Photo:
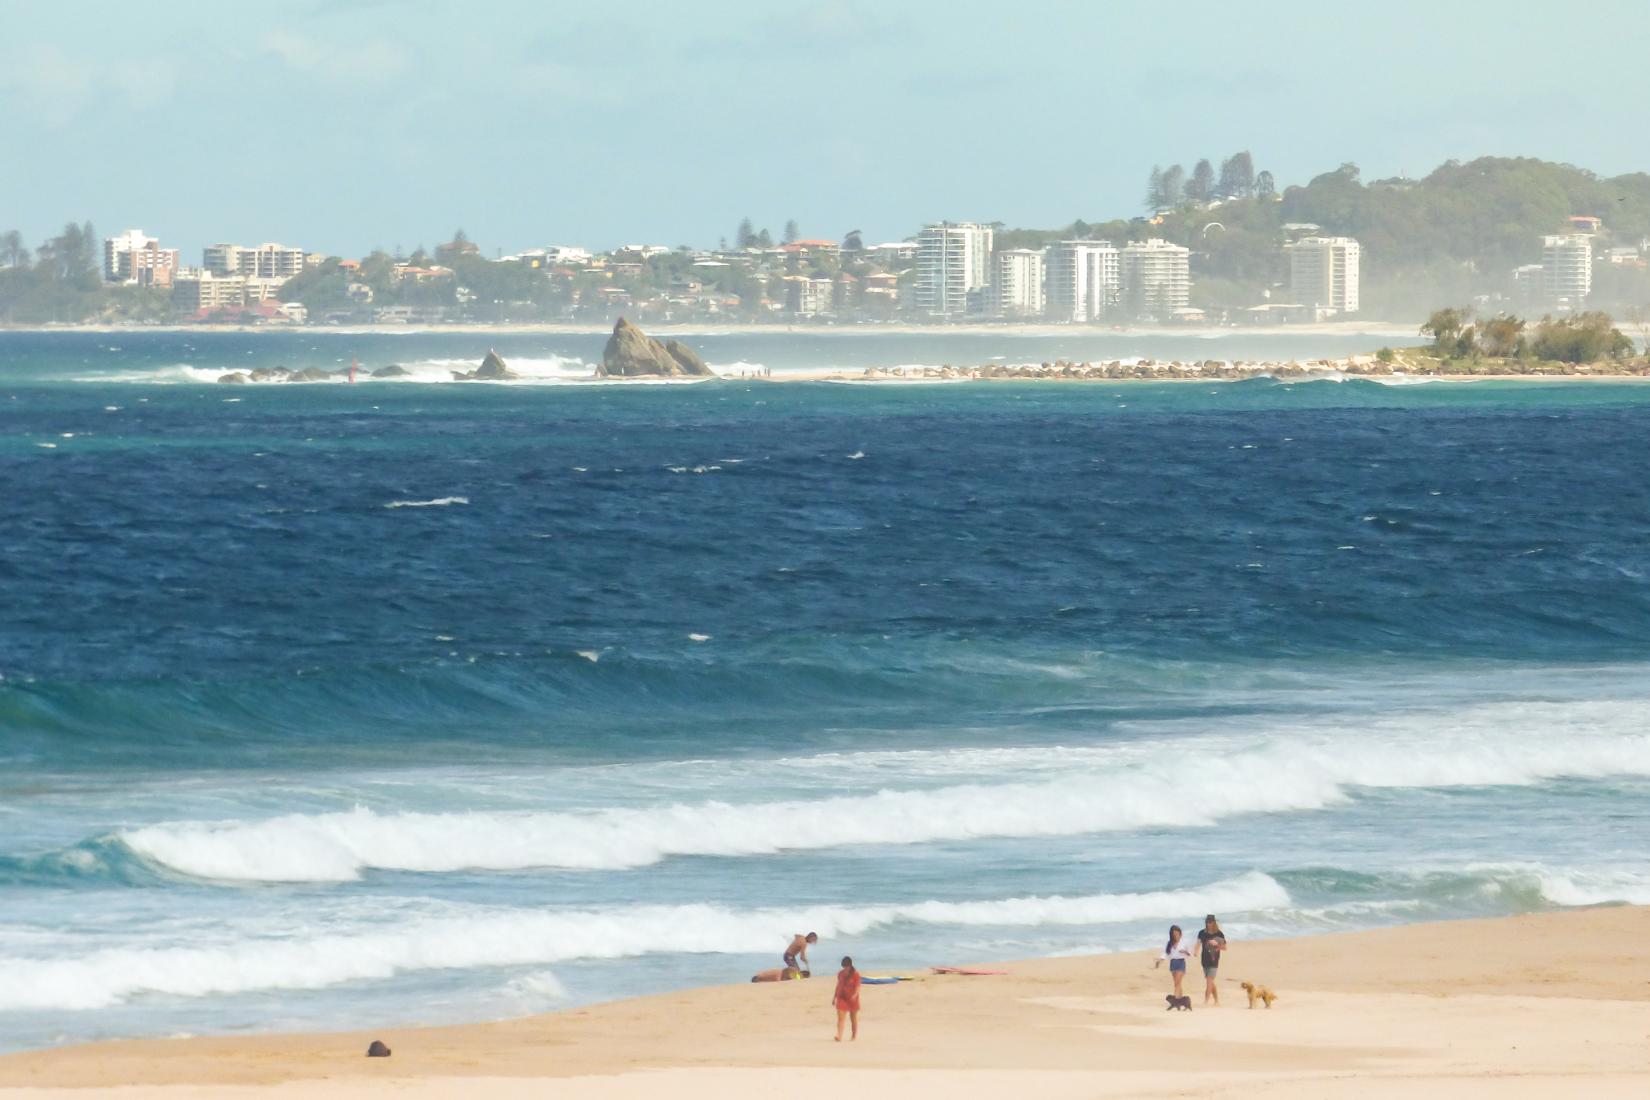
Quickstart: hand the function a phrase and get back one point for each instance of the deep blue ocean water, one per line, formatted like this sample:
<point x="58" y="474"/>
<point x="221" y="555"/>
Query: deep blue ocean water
<point x="338" y="705"/>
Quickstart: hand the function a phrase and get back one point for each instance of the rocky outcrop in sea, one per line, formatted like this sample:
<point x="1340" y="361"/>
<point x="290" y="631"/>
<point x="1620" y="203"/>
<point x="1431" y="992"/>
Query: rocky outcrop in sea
<point x="631" y="353"/>
<point x="492" y="369"/>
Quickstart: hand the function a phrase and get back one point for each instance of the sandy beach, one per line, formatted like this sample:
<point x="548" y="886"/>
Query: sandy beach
<point x="1541" y="1005"/>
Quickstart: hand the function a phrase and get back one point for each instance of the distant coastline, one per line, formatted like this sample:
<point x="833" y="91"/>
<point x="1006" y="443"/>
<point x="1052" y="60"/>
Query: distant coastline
<point x="1383" y="330"/>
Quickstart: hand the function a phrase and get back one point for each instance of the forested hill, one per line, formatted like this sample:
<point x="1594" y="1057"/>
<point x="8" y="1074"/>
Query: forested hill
<point x="1445" y="238"/>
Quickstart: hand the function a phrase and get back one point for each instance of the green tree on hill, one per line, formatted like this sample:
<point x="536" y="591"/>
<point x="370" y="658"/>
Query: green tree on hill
<point x="12" y="252"/>
<point x="322" y="288"/>
<point x="1174" y="186"/>
<point x="1166" y="188"/>
<point x="1503" y="337"/>
<point x="1585" y="338"/>
<point x="1445" y="326"/>
<point x="1201" y="187"/>
<point x="1237" y="176"/>
<point x="63" y="284"/>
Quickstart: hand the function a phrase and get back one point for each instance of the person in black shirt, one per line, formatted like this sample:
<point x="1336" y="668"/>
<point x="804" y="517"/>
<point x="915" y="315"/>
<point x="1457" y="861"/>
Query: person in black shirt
<point x="1213" y="941"/>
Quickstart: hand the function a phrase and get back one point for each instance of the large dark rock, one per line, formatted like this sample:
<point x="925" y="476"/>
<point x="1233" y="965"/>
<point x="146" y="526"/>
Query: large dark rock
<point x="236" y="379"/>
<point x="308" y="374"/>
<point x="492" y="369"/>
<point x="631" y="353"/>
<point x="689" y="360"/>
<point x="394" y="370"/>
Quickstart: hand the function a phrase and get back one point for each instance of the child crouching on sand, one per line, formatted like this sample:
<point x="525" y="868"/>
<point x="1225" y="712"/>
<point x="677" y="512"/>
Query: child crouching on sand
<point x="846" y="997"/>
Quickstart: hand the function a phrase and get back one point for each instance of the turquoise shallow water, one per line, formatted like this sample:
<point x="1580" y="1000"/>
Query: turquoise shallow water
<point x="418" y="702"/>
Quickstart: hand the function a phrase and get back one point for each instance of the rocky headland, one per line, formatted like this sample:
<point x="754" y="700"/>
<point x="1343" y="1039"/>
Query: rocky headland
<point x="631" y="353"/>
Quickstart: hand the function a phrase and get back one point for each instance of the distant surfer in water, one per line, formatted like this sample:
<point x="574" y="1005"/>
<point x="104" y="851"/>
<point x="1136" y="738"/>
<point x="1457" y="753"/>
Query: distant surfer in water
<point x="846" y="998"/>
<point x="796" y="955"/>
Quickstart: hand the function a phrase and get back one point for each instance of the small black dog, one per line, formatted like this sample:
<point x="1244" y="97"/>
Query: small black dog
<point x="1184" y="1004"/>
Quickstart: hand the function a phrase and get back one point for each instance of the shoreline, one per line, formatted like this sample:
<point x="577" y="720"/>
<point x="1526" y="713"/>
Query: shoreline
<point x="1278" y="372"/>
<point x="1373" y="329"/>
<point x="1532" y="1005"/>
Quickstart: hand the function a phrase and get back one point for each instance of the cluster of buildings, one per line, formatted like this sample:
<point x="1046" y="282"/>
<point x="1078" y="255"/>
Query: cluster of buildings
<point x="949" y="271"/>
<point x="1564" y="278"/>
<point x="960" y="275"/>
<point x="230" y="276"/>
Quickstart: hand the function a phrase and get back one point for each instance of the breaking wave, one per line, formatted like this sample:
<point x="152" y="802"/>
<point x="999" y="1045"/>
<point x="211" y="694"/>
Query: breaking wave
<point x="1136" y="786"/>
<point x="472" y="937"/>
<point x="438" y="502"/>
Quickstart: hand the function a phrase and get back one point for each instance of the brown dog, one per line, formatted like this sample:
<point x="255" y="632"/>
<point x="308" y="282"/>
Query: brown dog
<point x="1259" y="993"/>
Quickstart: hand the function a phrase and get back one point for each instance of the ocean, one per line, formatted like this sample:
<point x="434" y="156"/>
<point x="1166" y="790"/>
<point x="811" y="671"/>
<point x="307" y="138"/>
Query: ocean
<point x="330" y="706"/>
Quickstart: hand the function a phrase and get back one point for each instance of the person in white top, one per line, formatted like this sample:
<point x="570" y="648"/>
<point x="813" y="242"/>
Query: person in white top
<point x="1177" y="951"/>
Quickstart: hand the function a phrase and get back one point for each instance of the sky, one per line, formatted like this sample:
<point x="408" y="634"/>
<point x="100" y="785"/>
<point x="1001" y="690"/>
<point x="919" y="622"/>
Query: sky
<point x="349" y="125"/>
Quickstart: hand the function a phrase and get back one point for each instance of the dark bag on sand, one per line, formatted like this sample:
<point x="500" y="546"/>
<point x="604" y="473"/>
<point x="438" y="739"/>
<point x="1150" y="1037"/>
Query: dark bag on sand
<point x="378" y="1049"/>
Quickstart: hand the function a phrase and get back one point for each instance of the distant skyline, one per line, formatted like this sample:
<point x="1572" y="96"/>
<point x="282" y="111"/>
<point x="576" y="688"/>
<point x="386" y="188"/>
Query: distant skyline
<point x="347" y="125"/>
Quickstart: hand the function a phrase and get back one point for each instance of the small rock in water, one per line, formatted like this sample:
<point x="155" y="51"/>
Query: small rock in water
<point x="492" y="369"/>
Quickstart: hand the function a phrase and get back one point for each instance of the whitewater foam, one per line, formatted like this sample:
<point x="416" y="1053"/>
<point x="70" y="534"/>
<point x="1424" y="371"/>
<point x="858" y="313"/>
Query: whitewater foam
<point x="438" y="502"/>
<point x="472" y="937"/>
<point x="551" y="370"/>
<point x="1137" y="785"/>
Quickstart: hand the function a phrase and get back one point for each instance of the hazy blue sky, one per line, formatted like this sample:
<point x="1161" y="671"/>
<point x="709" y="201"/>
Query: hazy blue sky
<point x="350" y="124"/>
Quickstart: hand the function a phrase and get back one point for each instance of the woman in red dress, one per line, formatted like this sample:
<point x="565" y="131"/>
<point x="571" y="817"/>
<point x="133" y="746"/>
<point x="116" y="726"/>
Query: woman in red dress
<point x="846" y="997"/>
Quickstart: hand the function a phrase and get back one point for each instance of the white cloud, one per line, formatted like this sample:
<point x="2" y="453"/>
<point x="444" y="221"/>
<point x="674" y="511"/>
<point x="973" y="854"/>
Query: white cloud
<point x="55" y="88"/>
<point x="372" y="62"/>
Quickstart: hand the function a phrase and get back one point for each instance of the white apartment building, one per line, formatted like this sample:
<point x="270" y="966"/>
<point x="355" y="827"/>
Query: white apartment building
<point x="1567" y="267"/>
<point x="1323" y="273"/>
<point x="198" y="290"/>
<point x="566" y="254"/>
<point x="138" y="260"/>
<point x="262" y="289"/>
<point x="953" y="261"/>
<point x="1156" y="277"/>
<point x="264" y="261"/>
<point x="1527" y="283"/>
<point x="1017" y="283"/>
<point x="807" y="297"/>
<point x="894" y="254"/>
<point x="1085" y="280"/>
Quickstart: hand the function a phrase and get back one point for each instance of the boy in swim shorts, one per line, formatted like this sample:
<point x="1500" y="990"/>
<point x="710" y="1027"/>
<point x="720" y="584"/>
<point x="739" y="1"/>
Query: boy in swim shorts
<point x="796" y="955"/>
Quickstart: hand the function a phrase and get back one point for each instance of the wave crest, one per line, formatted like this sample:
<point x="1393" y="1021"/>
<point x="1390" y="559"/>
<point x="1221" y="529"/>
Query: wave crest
<point x="473" y="937"/>
<point x="1128" y="790"/>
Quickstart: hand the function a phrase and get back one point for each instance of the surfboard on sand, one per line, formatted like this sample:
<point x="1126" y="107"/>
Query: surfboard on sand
<point x="965" y="970"/>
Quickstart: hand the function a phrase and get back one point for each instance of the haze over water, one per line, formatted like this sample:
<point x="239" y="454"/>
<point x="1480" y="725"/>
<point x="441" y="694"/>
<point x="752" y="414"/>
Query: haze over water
<point x="325" y="705"/>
